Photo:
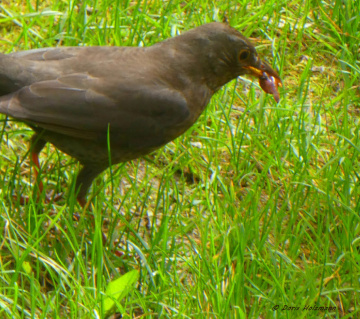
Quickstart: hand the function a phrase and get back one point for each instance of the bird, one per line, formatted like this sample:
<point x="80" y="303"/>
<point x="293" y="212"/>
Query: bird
<point x="105" y="105"/>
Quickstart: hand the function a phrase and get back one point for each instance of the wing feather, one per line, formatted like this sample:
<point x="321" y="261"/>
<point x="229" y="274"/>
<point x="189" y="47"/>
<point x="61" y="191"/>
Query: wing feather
<point x="79" y="105"/>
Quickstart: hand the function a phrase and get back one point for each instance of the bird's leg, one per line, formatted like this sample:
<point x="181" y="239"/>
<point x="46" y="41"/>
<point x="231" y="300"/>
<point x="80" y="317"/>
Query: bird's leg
<point x="36" y="145"/>
<point x="82" y="201"/>
<point x="83" y="182"/>
<point x="35" y="161"/>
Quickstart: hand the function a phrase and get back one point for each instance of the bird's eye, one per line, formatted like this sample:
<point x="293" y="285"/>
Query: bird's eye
<point x="244" y="54"/>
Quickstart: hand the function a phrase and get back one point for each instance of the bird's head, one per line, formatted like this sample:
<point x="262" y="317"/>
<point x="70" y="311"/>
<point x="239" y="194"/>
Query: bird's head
<point x="224" y="53"/>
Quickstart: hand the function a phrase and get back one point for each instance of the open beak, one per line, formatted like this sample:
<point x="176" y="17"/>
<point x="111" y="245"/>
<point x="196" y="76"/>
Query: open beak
<point x="269" y="80"/>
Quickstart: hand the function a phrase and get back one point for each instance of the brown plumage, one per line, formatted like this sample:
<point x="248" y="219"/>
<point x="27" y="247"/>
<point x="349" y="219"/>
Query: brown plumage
<point x="141" y="97"/>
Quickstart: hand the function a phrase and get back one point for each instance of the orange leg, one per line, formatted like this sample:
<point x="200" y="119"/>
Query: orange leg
<point x="38" y="182"/>
<point x="35" y="161"/>
<point x="36" y="145"/>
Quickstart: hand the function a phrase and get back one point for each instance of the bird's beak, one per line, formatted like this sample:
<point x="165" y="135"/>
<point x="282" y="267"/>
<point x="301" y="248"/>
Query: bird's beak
<point x="269" y="80"/>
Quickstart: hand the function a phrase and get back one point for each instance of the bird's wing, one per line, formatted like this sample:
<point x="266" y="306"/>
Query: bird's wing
<point x="82" y="106"/>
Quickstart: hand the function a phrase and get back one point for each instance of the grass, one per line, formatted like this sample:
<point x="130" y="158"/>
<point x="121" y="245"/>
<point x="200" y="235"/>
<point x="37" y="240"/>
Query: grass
<point x="254" y="209"/>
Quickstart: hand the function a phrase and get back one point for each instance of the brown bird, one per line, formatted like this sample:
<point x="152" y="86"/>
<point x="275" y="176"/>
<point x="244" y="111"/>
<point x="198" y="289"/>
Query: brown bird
<point x="125" y="101"/>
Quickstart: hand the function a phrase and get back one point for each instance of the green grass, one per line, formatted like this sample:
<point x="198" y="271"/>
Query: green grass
<point x="257" y="205"/>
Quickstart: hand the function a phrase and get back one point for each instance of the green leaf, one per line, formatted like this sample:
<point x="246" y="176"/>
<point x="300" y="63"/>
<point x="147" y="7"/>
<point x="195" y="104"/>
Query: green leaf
<point x="118" y="289"/>
<point x="27" y="267"/>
